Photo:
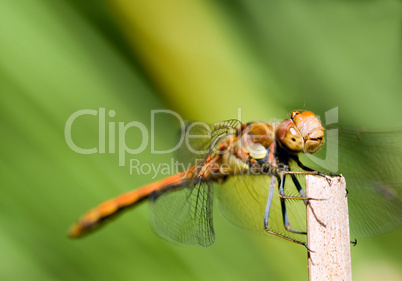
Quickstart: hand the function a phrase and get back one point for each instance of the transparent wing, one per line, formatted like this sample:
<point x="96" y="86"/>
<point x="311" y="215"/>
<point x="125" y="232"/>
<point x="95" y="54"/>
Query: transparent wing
<point x="184" y="215"/>
<point x="199" y="140"/>
<point x="371" y="163"/>
<point x="243" y="199"/>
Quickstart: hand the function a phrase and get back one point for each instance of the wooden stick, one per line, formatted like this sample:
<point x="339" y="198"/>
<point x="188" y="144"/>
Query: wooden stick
<point x="328" y="229"/>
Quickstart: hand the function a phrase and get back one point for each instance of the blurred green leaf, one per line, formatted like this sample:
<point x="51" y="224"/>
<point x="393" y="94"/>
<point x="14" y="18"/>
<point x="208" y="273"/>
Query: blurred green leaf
<point x="203" y="59"/>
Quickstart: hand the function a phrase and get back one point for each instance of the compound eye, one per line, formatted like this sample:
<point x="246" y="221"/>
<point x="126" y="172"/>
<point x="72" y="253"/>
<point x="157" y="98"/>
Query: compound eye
<point x="313" y="145"/>
<point x="289" y="136"/>
<point x="314" y="141"/>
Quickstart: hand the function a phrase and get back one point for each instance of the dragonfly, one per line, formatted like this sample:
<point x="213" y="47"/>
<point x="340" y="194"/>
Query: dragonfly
<point x="247" y="165"/>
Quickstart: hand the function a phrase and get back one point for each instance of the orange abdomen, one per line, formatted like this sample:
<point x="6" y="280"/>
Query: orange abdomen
<point x="108" y="209"/>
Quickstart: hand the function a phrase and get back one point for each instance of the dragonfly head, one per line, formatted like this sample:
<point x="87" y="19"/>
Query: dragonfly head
<point x="303" y="132"/>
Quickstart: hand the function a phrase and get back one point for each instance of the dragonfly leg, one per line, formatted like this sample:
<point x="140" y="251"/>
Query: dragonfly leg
<point x="285" y="217"/>
<point x="266" y="217"/>
<point x="286" y="222"/>
<point x="302" y="194"/>
<point x="268" y="208"/>
<point x="315" y="173"/>
<point x="309" y="171"/>
<point x="298" y="186"/>
<point x="301" y="165"/>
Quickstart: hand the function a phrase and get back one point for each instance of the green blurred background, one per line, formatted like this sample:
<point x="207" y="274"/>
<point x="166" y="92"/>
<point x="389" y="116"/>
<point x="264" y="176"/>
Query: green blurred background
<point x="203" y="59"/>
